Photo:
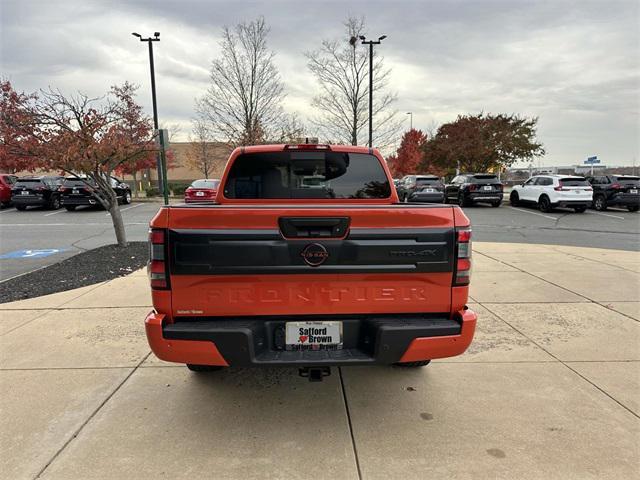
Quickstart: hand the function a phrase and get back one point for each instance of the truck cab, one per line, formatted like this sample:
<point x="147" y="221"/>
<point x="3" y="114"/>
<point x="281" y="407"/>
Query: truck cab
<point x="308" y="259"/>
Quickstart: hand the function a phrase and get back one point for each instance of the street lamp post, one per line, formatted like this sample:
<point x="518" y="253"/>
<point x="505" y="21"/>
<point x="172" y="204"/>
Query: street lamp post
<point x="371" y="43"/>
<point x="160" y="158"/>
<point x="410" y="120"/>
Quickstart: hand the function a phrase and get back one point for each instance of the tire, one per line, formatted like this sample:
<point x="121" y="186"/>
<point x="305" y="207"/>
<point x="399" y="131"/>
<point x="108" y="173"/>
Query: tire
<point x="579" y="209"/>
<point x="70" y="208"/>
<point x="5" y="205"/>
<point x="496" y="204"/>
<point x="54" y="204"/>
<point x="633" y="208"/>
<point x="600" y="203"/>
<point x="544" y="204"/>
<point x="514" y="199"/>
<point x="203" y="368"/>
<point x="22" y="208"/>
<point x="421" y="363"/>
<point x="462" y="201"/>
<point x="126" y="199"/>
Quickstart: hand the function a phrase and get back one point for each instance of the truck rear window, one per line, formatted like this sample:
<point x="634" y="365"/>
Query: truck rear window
<point x="307" y="175"/>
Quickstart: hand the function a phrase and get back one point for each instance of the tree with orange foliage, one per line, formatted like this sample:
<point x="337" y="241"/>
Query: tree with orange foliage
<point x="409" y="155"/>
<point x="80" y="135"/>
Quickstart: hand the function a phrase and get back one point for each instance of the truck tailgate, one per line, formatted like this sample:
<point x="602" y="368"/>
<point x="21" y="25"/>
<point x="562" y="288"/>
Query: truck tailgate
<point x="283" y="260"/>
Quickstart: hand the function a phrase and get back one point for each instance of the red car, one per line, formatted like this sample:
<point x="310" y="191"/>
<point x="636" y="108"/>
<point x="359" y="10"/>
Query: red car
<point x="6" y="183"/>
<point x="202" y="191"/>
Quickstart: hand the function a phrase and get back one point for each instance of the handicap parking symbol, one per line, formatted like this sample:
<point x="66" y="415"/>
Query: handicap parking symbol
<point x="34" y="253"/>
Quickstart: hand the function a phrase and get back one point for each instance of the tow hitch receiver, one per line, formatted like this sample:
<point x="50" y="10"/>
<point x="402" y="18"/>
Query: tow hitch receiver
<point x="314" y="374"/>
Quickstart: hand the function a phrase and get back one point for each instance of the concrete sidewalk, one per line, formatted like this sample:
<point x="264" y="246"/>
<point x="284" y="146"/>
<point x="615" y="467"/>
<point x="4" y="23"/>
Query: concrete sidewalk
<point x="549" y="389"/>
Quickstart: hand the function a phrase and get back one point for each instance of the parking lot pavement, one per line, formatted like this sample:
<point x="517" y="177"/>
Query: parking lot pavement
<point x="613" y="229"/>
<point x="549" y="389"/>
<point x="36" y="237"/>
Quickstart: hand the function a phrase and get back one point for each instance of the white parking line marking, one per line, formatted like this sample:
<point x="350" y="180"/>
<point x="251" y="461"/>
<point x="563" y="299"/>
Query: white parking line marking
<point x="53" y="213"/>
<point x="533" y="213"/>
<point x="129" y="208"/>
<point x="606" y="215"/>
<point x="9" y="210"/>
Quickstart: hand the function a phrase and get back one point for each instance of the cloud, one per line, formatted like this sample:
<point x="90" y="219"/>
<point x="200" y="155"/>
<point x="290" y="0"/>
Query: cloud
<point x="575" y="65"/>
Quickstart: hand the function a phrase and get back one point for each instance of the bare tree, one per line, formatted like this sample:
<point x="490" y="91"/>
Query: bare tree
<point x="243" y="102"/>
<point x="341" y="68"/>
<point x="200" y="154"/>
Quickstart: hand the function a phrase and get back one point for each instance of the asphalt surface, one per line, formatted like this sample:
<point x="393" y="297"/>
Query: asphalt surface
<point x="36" y="238"/>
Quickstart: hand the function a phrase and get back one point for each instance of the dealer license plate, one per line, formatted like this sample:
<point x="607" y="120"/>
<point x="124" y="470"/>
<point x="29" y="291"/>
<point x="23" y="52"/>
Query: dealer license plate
<point x="313" y="335"/>
<point x="488" y="187"/>
<point x="199" y="194"/>
<point x="634" y="191"/>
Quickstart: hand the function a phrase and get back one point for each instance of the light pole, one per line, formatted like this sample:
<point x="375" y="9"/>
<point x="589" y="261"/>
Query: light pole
<point x="410" y="120"/>
<point x="371" y="43"/>
<point x="160" y="158"/>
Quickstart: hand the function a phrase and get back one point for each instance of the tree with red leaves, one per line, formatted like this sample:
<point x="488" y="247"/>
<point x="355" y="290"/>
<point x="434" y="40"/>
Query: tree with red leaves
<point x="482" y="143"/>
<point x="16" y="126"/>
<point x="410" y="155"/>
<point x="80" y="135"/>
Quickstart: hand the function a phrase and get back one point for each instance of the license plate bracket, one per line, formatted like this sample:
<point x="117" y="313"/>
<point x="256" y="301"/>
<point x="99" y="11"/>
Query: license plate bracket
<point x="313" y="335"/>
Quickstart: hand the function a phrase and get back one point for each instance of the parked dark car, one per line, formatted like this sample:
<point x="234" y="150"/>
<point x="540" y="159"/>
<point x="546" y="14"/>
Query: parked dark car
<point x="77" y="192"/>
<point x="427" y="188"/>
<point x="202" y="191"/>
<point x="469" y="188"/>
<point x="616" y="190"/>
<point x="410" y="185"/>
<point x="6" y="184"/>
<point x="37" y="191"/>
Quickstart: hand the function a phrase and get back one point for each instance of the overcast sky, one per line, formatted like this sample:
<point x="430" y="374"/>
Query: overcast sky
<point x="575" y="65"/>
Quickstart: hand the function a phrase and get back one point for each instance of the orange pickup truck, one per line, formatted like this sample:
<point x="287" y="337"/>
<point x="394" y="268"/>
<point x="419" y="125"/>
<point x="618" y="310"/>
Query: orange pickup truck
<point x="308" y="259"/>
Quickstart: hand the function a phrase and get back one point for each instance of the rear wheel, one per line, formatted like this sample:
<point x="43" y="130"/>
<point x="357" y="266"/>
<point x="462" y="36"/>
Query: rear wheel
<point x="600" y="203"/>
<point x="633" y="208"/>
<point x="544" y="204"/>
<point x="580" y="209"/>
<point x="126" y="199"/>
<point x="55" y="203"/>
<point x="462" y="200"/>
<point x="21" y="207"/>
<point x="496" y="204"/>
<point x="5" y="204"/>
<point x="421" y="363"/>
<point x="71" y="208"/>
<point x="203" y="368"/>
<point x="514" y="199"/>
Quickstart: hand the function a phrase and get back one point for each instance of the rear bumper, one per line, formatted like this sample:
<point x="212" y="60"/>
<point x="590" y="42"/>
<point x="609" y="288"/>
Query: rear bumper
<point x="626" y="200"/>
<point x="79" y="201"/>
<point x="486" y="197"/>
<point x="436" y="197"/>
<point x="367" y="340"/>
<point x="18" y="200"/>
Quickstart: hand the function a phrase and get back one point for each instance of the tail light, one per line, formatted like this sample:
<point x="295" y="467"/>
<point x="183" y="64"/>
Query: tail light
<point x="560" y="187"/>
<point x="462" y="274"/>
<point x="473" y="187"/>
<point x="157" y="266"/>
<point x="62" y="189"/>
<point x="616" y="186"/>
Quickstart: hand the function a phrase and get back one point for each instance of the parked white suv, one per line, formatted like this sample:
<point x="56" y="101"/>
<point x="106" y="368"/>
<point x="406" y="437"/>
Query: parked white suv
<point x="551" y="191"/>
